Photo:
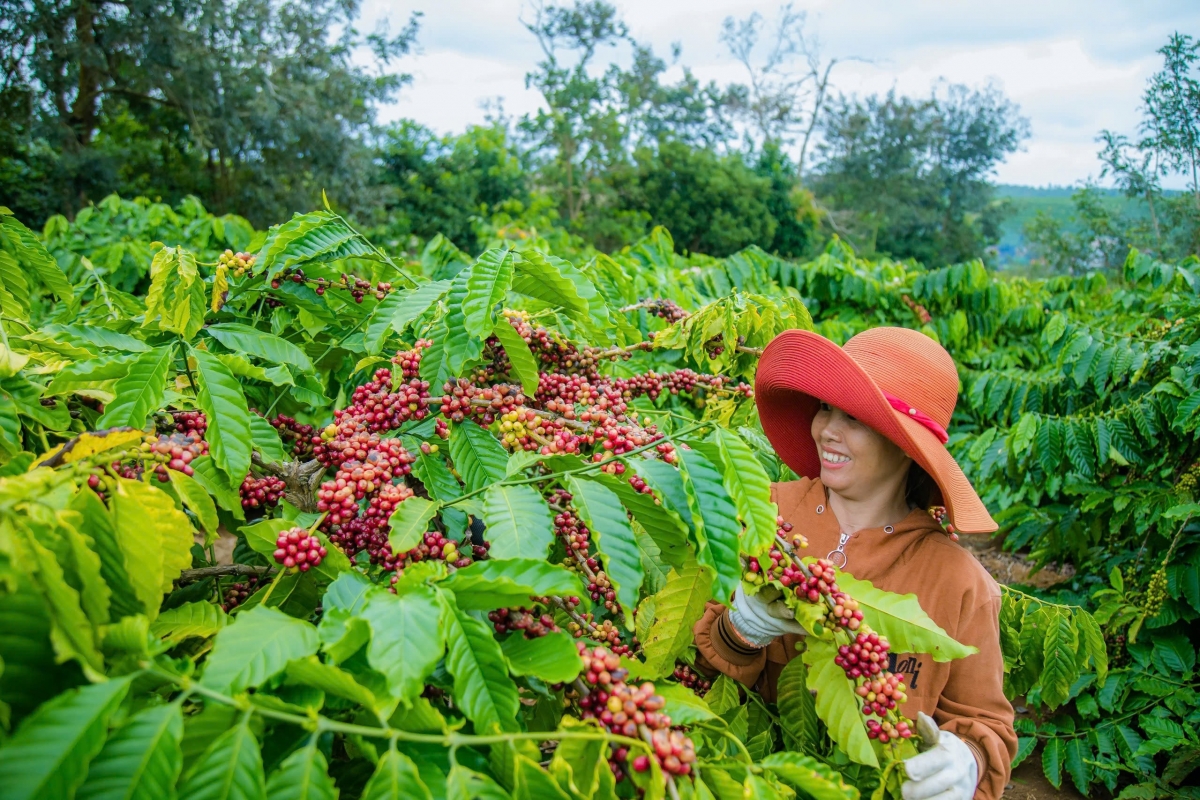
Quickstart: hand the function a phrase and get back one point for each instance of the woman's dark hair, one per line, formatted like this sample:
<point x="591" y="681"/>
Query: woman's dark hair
<point x="920" y="491"/>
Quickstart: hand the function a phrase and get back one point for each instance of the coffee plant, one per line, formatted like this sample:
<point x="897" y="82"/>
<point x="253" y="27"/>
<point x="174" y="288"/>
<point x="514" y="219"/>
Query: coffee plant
<point x="286" y="515"/>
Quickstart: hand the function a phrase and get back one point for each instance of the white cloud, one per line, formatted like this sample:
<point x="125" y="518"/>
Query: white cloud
<point x="1073" y="66"/>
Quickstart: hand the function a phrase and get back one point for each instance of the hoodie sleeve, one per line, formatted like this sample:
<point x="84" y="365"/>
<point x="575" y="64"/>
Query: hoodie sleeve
<point x="719" y="649"/>
<point x="972" y="705"/>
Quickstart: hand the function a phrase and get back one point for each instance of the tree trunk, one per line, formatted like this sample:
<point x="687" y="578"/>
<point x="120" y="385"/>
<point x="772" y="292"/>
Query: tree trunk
<point x="82" y="119"/>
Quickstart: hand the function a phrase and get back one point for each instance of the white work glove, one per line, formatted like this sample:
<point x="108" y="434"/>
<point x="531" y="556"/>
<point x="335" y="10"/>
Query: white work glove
<point x="946" y="771"/>
<point x="760" y="621"/>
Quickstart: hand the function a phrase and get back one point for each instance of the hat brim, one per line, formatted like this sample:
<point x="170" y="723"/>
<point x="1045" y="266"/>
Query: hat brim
<point x="799" y="370"/>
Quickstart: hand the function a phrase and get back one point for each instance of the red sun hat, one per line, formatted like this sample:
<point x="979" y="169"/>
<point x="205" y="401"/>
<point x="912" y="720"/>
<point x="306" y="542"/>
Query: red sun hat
<point x="897" y="381"/>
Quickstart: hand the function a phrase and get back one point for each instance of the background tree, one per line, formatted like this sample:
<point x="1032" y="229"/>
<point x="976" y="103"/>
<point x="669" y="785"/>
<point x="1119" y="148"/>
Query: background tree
<point x="252" y="105"/>
<point x="911" y="178"/>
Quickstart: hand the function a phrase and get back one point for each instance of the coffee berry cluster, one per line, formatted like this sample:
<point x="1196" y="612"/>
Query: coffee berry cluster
<point x="635" y="712"/>
<point x="296" y="550"/>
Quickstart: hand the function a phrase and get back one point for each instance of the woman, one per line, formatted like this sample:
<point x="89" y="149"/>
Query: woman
<point x="866" y="427"/>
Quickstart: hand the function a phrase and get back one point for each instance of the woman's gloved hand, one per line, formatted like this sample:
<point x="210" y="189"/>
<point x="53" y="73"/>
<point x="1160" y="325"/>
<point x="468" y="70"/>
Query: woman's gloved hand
<point x="760" y="618"/>
<point x="946" y="771"/>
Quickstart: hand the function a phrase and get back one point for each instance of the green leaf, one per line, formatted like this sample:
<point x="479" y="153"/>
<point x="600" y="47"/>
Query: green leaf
<point x="652" y="511"/>
<point x="257" y="646"/>
<point x="201" y="619"/>
<point x="677" y="608"/>
<point x="478" y="457"/>
<point x="407" y="638"/>
<point x="329" y="679"/>
<point x="32" y="254"/>
<point x="465" y="784"/>
<point x="251" y="341"/>
<point x="716" y="526"/>
<point x="99" y="524"/>
<point x="724" y="696"/>
<point x="141" y="761"/>
<point x="396" y="778"/>
<point x="217" y="484"/>
<point x="229" y="436"/>
<point x="612" y="536"/>
<point x="194" y="497"/>
<point x="813" y="777"/>
<point x="541" y="277"/>
<point x="175" y="299"/>
<point x="797" y="708"/>
<point x="551" y="658"/>
<point x="901" y="619"/>
<point x="837" y="704"/>
<point x="48" y="757"/>
<point x="266" y="441"/>
<point x="519" y="523"/>
<point x="489" y="584"/>
<point x="1077" y="754"/>
<point x="453" y="347"/>
<point x="231" y="768"/>
<point x="140" y="391"/>
<point x="415" y="303"/>
<point x="524" y="365"/>
<point x="1059" y="668"/>
<point x="302" y="776"/>
<point x="409" y="523"/>
<point x="531" y="782"/>
<point x="482" y="688"/>
<point x="1052" y="761"/>
<point x="683" y="706"/>
<point x="155" y="538"/>
<point x="1093" y="641"/>
<point x="487" y="283"/>
<point x="318" y="236"/>
<point x="750" y="487"/>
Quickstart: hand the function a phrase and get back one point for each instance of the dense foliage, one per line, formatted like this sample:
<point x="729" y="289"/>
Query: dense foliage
<point x="440" y="473"/>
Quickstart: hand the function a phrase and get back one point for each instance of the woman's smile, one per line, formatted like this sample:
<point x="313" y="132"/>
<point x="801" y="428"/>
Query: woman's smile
<point x="833" y="460"/>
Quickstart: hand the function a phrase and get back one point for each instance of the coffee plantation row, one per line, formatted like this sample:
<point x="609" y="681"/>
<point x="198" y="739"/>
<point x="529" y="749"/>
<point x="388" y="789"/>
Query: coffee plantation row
<point x="477" y="505"/>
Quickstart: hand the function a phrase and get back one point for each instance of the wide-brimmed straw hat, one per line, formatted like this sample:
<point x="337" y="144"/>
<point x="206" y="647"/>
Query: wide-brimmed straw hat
<point x="898" y="382"/>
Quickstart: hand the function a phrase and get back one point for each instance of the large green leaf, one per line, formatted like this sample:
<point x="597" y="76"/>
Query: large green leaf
<point x="465" y="784"/>
<point x="478" y="457"/>
<point x="407" y="639"/>
<point x="524" y="365"/>
<point x="217" y="484"/>
<point x="493" y="583"/>
<point x="48" y="757"/>
<point x="401" y="309"/>
<point x="141" y="390"/>
<point x="552" y="658"/>
<point x="677" y="608"/>
<point x="247" y="340"/>
<point x="201" y="619"/>
<point x="229" y="437"/>
<point x="487" y="283"/>
<point x="195" y="498"/>
<point x="1059" y="659"/>
<point x="100" y="525"/>
<point x="257" y="646"/>
<point x="318" y="236"/>
<point x="329" y="679"/>
<point x="715" y="517"/>
<point x="797" y="709"/>
<point x="303" y="775"/>
<point x="519" y="522"/>
<point x="1052" y="761"/>
<point x="32" y="254"/>
<point x="813" y="777"/>
<point x="453" y="347"/>
<point x="231" y="768"/>
<point x="662" y="523"/>
<point x="837" y="704"/>
<point x="155" y="538"/>
<point x="613" y="538"/>
<point x="482" y="688"/>
<point x="900" y="618"/>
<point x="409" y="522"/>
<point x="265" y="439"/>
<point x="396" y="778"/>
<point x="750" y="488"/>
<point x="141" y="761"/>
<point x="175" y="299"/>
<point x="539" y="276"/>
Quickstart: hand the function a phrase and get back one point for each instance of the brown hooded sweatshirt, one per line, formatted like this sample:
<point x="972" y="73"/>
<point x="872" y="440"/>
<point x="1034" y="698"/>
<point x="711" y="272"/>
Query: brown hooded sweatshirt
<point x="965" y="697"/>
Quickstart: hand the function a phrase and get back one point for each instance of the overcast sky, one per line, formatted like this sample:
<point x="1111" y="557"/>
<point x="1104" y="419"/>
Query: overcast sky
<point x="1073" y="66"/>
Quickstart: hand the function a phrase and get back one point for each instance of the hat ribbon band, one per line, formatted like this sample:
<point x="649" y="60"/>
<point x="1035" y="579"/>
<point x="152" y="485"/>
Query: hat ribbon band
<point x="918" y="416"/>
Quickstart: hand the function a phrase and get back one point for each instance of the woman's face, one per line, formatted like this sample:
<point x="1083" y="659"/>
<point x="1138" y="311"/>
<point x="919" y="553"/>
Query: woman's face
<point x="856" y="462"/>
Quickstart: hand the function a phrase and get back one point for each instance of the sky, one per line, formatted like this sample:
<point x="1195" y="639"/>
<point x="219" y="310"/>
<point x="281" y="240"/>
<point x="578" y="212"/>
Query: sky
<point x="1073" y="67"/>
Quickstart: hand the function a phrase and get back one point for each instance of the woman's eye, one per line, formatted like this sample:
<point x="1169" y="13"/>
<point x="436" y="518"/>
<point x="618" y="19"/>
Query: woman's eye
<point x="826" y="407"/>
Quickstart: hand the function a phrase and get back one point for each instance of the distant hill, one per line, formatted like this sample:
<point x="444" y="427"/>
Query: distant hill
<point x="1027" y="201"/>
